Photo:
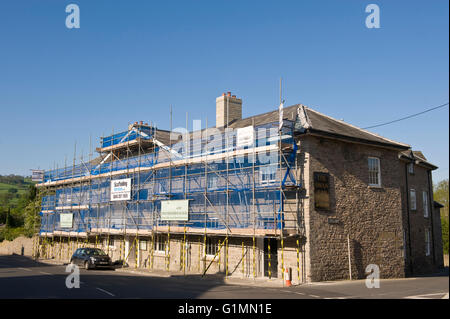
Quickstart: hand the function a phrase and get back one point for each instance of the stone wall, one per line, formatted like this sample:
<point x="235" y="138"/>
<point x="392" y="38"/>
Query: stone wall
<point x="420" y="263"/>
<point x="369" y="217"/>
<point x="19" y="246"/>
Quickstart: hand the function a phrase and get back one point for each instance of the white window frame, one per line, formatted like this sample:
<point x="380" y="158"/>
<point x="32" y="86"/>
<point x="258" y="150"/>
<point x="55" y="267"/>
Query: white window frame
<point x="427" y="242"/>
<point x="426" y="210"/>
<point x="378" y="171"/>
<point x="269" y="171"/>
<point x="143" y="245"/>
<point x="412" y="203"/>
<point x="209" y="249"/>
<point x="160" y="239"/>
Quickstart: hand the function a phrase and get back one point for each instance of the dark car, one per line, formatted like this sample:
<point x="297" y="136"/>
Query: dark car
<point x="91" y="258"/>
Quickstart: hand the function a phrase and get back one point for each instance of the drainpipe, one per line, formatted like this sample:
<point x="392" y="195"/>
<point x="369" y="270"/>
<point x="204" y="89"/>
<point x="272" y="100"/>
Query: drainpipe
<point x="409" y="223"/>
<point x="430" y="207"/>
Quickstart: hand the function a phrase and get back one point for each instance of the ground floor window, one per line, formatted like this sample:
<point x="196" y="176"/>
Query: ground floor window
<point x="143" y="245"/>
<point x="160" y="243"/>
<point x="212" y="246"/>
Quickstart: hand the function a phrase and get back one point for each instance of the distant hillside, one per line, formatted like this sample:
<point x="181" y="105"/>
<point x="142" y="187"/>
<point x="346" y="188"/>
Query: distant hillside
<point x="15" y="180"/>
<point x="12" y="187"/>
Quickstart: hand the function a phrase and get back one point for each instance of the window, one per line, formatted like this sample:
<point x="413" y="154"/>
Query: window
<point x="427" y="242"/>
<point x="425" y="203"/>
<point x="412" y="196"/>
<point x="212" y="181"/>
<point x="160" y="243"/>
<point x="212" y="246"/>
<point x="374" y="172"/>
<point x="143" y="245"/>
<point x="411" y="168"/>
<point x="268" y="174"/>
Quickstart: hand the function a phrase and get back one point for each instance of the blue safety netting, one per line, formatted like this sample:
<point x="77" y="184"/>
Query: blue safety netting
<point x="253" y="186"/>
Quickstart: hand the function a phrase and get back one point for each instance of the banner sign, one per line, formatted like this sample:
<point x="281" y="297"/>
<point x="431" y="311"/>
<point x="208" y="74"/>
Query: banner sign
<point x="175" y="210"/>
<point x="66" y="220"/>
<point x="121" y="189"/>
<point x="37" y="175"/>
<point x="321" y="191"/>
<point x="245" y="136"/>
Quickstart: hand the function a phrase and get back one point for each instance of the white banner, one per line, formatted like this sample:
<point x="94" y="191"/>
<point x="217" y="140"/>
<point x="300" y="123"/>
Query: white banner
<point x="121" y="189"/>
<point x="66" y="220"/>
<point x="37" y="175"/>
<point x="177" y="210"/>
<point x="280" y="112"/>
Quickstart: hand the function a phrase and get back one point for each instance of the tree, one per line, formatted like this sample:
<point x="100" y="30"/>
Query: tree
<point x="441" y="194"/>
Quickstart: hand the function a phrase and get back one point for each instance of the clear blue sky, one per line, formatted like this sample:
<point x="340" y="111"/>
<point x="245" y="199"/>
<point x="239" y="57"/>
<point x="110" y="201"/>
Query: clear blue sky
<point x="131" y="59"/>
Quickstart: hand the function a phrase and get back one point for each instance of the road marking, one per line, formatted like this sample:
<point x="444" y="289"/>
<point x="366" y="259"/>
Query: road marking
<point x="24" y="269"/>
<point x="428" y="295"/>
<point x="106" y="292"/>
<point x="299" y="293"/>
<point x="45" y="273"/>
<point x="314" y="296"/>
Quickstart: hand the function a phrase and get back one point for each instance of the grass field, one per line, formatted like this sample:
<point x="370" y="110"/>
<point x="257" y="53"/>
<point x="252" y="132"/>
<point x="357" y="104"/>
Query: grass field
<point x="20" y="189"/>
<point x="4" y="189"/>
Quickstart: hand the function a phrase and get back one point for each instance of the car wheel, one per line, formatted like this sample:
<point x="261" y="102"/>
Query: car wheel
<point x="86" y="265"/>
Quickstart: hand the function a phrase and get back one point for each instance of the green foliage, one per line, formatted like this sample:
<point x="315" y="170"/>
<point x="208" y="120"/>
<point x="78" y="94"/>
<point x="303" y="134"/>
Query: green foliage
<point x="441" y="195"/>
<point x="11" y="233"/>
<point x="444" y="222"/>
<point x="19" y="207"/>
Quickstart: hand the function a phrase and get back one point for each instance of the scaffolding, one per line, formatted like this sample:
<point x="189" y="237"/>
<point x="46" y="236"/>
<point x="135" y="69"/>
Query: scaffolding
<point x="233" y="190"/>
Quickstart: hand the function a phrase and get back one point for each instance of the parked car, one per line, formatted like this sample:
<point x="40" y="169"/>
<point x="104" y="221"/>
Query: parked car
<point x="91" y="258"/>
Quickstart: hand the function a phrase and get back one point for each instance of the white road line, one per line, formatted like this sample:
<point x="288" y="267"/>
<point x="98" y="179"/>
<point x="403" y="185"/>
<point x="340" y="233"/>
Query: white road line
<point x="427" y="295"/>
<point x="314" y="296"/>
<point x="106" y="292"/>
<point x="299" y="293"/>
<point x="45" y="273"/>
<point x="24" y="269"/>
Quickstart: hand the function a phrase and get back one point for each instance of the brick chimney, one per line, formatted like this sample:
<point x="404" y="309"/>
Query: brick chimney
<point x="234" y="109"/>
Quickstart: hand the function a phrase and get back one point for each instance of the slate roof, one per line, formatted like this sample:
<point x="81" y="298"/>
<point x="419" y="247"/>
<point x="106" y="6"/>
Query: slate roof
<point x="321" y="124"/>
<point x="417" y="157"/>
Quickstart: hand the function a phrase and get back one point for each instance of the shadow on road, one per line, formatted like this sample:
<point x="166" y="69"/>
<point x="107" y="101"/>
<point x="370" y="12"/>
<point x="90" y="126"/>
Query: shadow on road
<point x="22" y="277"/>
<point x="443" y="273"/>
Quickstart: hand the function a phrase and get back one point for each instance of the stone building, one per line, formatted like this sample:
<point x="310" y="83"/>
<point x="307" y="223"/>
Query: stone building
<point x="250" y="197"/>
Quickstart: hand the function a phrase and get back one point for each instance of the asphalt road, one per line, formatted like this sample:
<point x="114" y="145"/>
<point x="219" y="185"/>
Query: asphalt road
<point x="23" y="278"/>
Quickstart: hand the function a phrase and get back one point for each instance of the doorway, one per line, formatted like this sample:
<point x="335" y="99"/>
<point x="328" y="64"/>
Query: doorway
<point x="270" y="257"/>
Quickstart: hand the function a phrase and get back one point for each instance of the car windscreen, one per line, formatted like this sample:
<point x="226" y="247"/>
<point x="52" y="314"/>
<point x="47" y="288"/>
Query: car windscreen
<point x="95" y="252"/>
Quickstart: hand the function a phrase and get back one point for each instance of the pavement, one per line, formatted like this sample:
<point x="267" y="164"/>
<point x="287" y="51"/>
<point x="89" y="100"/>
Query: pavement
<point x="22" y="277"/>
